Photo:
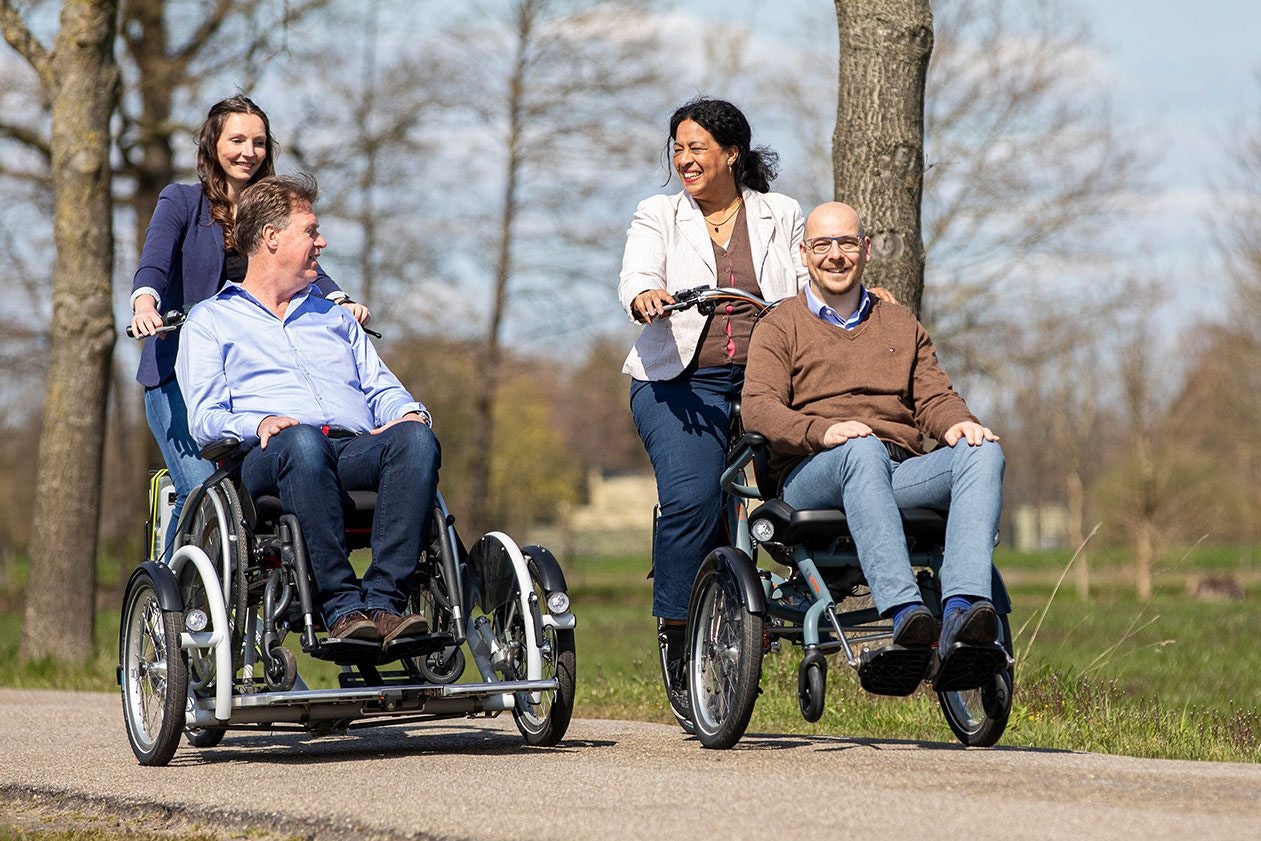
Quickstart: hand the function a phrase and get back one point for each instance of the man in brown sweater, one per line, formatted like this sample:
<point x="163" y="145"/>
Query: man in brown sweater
<point x="845" y="386"/>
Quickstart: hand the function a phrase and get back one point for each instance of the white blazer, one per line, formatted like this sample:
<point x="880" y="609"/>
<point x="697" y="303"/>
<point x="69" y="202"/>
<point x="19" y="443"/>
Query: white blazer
<point x="668" y="247"/>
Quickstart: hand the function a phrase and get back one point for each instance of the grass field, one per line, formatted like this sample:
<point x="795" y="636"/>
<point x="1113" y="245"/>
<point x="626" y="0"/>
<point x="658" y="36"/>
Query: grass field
<point x="1170" y="677"/>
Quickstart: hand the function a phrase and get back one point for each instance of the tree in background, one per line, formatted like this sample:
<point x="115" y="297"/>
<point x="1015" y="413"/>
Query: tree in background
<point x="80" y="79"/>
<point x="554" y="97"/>
<point x="878" y="146"/>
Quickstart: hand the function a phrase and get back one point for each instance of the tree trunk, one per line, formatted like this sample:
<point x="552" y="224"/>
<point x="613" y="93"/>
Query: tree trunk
<point x="878" y="145"/>
<point x="487" y="389"/>
<point x="61" y="588"/>
<point x="154" y="165"/>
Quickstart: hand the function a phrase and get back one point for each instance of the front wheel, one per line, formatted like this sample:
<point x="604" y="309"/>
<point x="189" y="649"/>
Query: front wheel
<point x="979" y="716"/>
<point x="543" y="723"/>
<point x="724" y="656"/>
<point x="154" y="677"/>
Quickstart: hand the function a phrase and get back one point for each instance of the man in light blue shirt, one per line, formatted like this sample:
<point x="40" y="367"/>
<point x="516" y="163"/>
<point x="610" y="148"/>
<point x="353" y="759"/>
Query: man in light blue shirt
<point x="270" y="362"/>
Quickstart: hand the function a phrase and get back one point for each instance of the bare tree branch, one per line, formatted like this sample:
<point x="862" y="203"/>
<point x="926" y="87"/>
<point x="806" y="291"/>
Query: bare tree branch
<point x="20" y="37"/>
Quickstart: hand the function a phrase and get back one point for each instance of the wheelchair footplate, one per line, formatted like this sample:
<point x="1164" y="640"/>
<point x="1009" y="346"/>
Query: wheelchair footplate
<point x="968" y="666"/>
<point x="352" y="652"/>
<point x="893" y="669"/>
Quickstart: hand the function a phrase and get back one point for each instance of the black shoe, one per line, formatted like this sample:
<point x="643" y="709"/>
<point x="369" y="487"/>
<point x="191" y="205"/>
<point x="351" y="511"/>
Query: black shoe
<point x="977" y="624"/>
<point x="969" y="652"/>
<point x="672" y="641"/>
<point x="915" y="628"/>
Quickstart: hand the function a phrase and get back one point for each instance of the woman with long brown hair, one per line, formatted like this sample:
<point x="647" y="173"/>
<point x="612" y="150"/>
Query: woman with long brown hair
<point x="189" y="253"/>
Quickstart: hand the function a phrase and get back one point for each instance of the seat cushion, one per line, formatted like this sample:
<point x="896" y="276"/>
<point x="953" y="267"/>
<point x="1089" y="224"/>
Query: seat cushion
<point x="824" y="525"/>
<point x="357" y="508"/>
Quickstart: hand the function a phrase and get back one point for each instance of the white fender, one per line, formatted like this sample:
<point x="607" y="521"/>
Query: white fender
<point x="218" y="638"/>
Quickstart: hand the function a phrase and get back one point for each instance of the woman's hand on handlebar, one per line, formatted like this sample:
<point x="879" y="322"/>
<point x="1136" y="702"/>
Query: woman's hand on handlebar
<point x="357" y="310"/>
<point x="145" y="319"/>
<point x="651" y="304"/>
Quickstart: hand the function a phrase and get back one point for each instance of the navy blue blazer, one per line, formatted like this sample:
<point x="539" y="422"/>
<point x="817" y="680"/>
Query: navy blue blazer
<point x="182" y="261"/>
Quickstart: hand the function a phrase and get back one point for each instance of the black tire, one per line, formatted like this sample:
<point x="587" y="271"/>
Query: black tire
<point x="446" y="665"/>
<point x="154" y="677"/>
<point x="724" y="655"/>
<point x="284" y="674"/>
<point x="978" y="717"/>
<point x="205" y="737"/>
<point x="544" y="723"/>
<point x="812" y="686"/>
<point x="205" y="531"/>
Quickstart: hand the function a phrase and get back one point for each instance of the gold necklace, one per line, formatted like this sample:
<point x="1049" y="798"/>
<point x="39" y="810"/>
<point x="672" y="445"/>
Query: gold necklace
<point x="739" y="203"/>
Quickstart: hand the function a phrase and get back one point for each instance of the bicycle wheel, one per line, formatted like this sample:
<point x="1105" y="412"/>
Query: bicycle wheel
<point x="724" y="656"/>
<point x="543" y="723"/>
<point x="154" y="678"/>
<point x="979" y="716"/>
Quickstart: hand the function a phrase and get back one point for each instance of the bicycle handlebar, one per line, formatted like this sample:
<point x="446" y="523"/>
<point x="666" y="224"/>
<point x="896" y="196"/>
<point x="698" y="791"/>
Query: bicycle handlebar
<point x="706" y="298"/>
<point x="174" y="319"/>
<point x="171" y="320"/>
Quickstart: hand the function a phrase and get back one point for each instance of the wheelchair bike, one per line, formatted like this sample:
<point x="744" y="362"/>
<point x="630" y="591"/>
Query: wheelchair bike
<point x="794" y="575"/>
<point x="205" y="622"/>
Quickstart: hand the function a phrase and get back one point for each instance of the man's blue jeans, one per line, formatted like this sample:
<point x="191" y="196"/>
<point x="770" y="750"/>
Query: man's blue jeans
<point x="308" y="471"/>
<point x="684" y="423"/>
<point x="859" y="477"/>
<point x="167" y="415"/>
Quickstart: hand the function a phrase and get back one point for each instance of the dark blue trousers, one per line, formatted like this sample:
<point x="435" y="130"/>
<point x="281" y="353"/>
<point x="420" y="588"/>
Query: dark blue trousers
<point x="684" y="425"/>
<point x="308" y="471"/>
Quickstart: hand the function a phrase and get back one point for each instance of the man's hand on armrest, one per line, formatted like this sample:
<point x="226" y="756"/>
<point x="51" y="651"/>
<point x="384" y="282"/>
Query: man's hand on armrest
<point x="839" y="433"/>
<point x="973" y="432"/>
<point x="419" y="417"/>
<point x="272" y="424"/>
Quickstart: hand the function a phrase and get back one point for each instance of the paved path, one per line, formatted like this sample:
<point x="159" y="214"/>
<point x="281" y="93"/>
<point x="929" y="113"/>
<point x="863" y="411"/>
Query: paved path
<point x="473" y="779"/>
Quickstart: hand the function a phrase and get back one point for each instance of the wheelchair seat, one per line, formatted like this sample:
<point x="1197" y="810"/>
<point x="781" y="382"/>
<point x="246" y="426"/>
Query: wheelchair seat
<point x="777" y="521"/>
<point x="357" y="508"/>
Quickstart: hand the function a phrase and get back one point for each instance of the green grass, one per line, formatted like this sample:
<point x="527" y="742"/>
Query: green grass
<point x="1171" y="677"/>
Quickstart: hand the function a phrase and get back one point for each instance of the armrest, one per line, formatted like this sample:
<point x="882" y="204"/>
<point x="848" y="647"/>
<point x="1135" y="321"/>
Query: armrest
<point x="217" y="451"/>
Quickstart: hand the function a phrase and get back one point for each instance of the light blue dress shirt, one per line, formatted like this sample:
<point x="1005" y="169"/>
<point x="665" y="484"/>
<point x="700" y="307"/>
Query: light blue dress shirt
<point x="831" y="316"/>
<point x="239" y="363"/>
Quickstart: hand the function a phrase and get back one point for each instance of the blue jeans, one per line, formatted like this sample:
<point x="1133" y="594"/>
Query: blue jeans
<point x="168" y="421"/>
<point x="308" y="471"/>
<point x="859" y="477"/>
<point x="684" y="423"/>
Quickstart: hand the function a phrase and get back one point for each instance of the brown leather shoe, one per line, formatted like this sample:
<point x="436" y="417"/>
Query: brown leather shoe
<point x="391" y="626"/>
<point x="354" y="626"/>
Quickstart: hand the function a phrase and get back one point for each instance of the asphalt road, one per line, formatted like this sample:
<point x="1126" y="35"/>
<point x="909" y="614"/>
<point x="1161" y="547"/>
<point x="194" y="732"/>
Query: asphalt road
<point x="473" y="779"/>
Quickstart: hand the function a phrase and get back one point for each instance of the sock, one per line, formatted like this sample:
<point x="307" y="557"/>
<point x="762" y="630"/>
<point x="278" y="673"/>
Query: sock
<point x="957" y="603"/>
<point x="901" y="611"/>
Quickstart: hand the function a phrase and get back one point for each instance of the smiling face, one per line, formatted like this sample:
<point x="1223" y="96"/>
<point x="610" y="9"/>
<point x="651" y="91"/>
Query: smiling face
<point x="241" y="147"/>
<point x="837" y="269"/>
<point x="703" y="165"/>
<point x="298" y="245"/>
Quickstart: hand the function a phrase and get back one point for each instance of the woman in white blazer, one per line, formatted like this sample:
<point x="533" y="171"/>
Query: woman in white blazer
<point x="725" y="228"/>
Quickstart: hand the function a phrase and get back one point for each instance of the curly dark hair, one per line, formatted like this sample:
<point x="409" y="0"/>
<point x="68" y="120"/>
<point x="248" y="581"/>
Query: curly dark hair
<point x="213" y="181"/>
<point x="754" y="168"/>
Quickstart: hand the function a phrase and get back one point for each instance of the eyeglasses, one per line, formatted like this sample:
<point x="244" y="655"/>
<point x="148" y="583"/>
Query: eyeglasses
<point x="823" y="245"/>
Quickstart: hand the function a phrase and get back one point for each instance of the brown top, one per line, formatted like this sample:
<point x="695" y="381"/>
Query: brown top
<point x="725" y="340"/>
<point x="805" y="374"/>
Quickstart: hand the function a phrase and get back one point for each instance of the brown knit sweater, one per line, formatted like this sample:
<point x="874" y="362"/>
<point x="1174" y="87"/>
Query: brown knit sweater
<point x="805" y="374"/>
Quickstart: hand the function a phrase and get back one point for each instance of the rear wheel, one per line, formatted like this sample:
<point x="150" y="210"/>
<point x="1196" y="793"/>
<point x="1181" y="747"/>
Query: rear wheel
<point x="154" y="678"/>
<point x="978" y="717"/>
<point x="724" y="656"/>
